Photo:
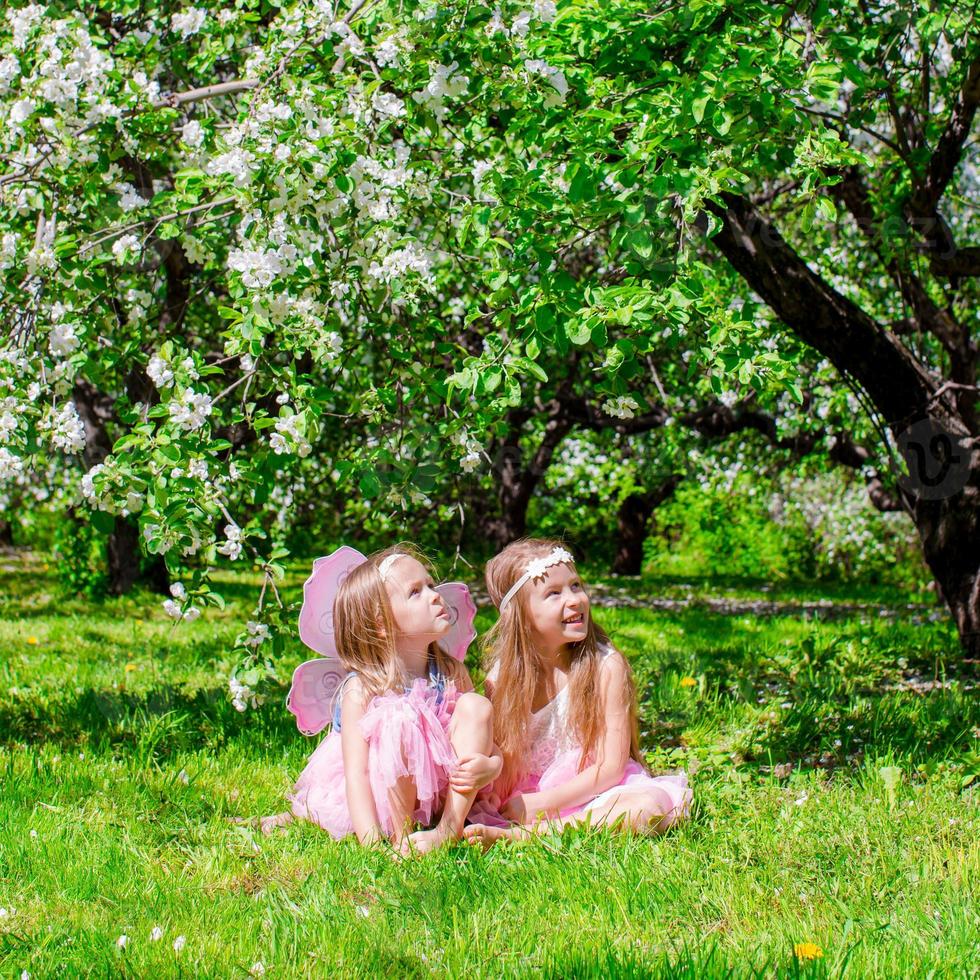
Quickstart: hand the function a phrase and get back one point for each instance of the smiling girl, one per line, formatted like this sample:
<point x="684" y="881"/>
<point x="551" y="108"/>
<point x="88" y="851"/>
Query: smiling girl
<point x="564" y="707"/>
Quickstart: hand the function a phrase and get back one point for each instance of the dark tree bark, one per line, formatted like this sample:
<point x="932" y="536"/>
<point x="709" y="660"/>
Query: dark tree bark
<point x="6" y="534"/>
<point x="922" y="413"/>
<point x="518" y="474"/>
<point x="125" y="566"/>
<point x="633" y="525"/>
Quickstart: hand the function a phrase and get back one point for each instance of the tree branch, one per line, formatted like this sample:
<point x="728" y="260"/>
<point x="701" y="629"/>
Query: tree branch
<point x="823" y="318"/>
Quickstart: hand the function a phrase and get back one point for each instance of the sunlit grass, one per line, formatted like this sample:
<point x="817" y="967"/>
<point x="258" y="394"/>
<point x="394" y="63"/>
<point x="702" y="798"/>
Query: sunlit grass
<point x="831" y="818"/>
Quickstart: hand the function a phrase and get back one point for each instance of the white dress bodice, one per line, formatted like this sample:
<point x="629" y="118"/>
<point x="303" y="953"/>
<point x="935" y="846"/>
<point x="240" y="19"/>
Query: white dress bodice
<point x="549" y="730"/>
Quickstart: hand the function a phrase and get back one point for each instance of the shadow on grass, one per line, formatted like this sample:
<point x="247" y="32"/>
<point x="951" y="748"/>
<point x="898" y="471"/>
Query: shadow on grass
<point x="154" y="723"/>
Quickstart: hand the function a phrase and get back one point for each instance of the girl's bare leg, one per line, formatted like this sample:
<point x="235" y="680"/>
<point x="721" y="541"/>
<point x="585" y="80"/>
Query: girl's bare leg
<point x="470" y="732"/>
<point x="402" y="800"/>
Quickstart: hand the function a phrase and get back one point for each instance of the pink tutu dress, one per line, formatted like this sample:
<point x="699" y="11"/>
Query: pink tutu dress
<point x="407" y="735"/>
<point x="555" y="756"/>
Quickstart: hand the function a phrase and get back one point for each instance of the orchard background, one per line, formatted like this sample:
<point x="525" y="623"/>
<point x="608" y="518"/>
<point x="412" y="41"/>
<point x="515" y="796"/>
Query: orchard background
<point x="692" y="285"/>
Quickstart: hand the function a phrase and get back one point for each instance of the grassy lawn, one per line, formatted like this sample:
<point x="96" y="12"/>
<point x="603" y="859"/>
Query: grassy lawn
<point x="828" y="764"/>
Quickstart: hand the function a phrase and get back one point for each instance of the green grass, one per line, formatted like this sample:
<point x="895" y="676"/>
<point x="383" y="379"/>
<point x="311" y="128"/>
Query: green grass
<point x="828" y="768"/>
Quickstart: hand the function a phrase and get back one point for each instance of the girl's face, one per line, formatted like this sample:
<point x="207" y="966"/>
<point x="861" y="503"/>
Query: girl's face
<point x="419" y="610"/>
<point x="558" y="607"/>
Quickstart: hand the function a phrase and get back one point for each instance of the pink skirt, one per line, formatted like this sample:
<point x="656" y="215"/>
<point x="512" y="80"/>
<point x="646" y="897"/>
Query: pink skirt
<point x="636" y="785"/>
<point x="407" y="736"/>
<point x="669" y="793"/>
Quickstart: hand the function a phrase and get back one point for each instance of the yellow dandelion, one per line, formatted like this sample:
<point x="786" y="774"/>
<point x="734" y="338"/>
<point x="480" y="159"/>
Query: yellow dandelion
<point x="688" y="682"/>
<point x="139" y="622"/>
<point x="32" y="640"/>
<point x="807" y="951"/>
<point x="130" y="667"/>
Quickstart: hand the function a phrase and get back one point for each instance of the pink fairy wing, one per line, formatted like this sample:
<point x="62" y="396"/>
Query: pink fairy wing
<point x="462" y="612"/>
<point x="319" y="590"/>
<point x="313" y="693"/>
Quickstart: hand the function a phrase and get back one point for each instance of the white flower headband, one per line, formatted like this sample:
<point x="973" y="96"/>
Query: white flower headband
<point x="536" y="568"/>
<point x="385" y="565"/>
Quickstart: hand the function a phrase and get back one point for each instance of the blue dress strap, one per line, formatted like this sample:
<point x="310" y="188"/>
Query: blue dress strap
<point x="340" y="695"/>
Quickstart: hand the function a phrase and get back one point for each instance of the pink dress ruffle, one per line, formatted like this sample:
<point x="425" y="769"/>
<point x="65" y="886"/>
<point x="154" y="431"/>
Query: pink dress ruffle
<point x="636" y="785"/>
<point x="407" y="736"/>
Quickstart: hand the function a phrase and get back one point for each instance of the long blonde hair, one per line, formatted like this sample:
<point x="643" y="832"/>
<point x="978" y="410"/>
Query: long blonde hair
<point x="365" y="629"/>
<point x="510" y="648"/>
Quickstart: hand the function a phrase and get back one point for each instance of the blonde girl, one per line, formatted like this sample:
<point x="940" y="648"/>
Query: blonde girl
<point x="411" y="741"/>
<point x="564" y="707"/>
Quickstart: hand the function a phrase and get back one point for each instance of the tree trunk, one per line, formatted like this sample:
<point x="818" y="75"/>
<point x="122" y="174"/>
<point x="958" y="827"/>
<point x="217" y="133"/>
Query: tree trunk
<point x="633" y="525"/>
<point x="950" y="533"/>
<point x="6" y="534"/>
<point x="942" y="489"/>
<point x="123" y="551"/>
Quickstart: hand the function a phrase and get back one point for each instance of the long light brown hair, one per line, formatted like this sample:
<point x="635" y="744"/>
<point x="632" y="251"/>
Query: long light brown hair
<point x="365" y="629"/>
<point x="509" y="645"/>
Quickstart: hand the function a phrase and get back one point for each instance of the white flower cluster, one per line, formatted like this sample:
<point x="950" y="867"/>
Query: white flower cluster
<point x="126" y="248"/>
<point x="22" y="22"/>
<point x="258" y="266"/>
<point x="552" y="75"/>
<point x="399" y="262"/>
<point x="67" y="429"/>
<point x="444" y="83"/>
<point x="236" y="162"/>
<point x="159" y="371"/>
<point x="173" y="607"/>
<point x="11" y="466"/>
<point x="257" y="633"/>
<point x="189" y="22"/>
<point x="387" y="53"/>
<point x="232" y="545"/>
<point x="242" y="696"/>
<point x="190" y="410"/>
<point x="621" y="407"/>
<point x="543" y="10"/>
<point x="470" y="448"/>
<point x="289" y="437"/>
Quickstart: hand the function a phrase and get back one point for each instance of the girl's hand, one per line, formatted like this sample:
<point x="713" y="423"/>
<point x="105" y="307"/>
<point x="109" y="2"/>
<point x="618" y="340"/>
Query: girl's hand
<point x="474" y="772"/>
<point x="516" y="808"/>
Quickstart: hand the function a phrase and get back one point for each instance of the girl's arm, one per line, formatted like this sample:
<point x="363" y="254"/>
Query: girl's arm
<point x="612" y="752"/>
<point x="360" y="801"/>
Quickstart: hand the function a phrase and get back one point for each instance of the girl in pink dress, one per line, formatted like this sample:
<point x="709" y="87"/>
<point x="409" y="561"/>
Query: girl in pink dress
<point x="410" y="741"/>
<point x="564" y="708"/>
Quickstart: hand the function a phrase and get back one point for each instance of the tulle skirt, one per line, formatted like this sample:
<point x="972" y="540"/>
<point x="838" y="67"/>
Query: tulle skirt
<point x="407" y="736"/>
<point x="668" y="794"/>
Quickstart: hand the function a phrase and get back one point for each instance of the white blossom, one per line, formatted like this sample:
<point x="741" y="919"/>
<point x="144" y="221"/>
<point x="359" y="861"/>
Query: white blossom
<point x="178" y="591"/>
<point x="159" y="371"/>
<point x="122" y="941"/>
<point x="68" y="430"/>
<point x="124" y="245"/>
<point x="190" y="410"/>
<point x="10" y="465"/>
<point x="189" y="22"/>
<point x="192" y="133"/>
<point x="259" y="267"/>
<point x="63" y="340"/>
<point x="621" y="407"/>
<point x="156" y="934"/>
<point x="179" y="943"/>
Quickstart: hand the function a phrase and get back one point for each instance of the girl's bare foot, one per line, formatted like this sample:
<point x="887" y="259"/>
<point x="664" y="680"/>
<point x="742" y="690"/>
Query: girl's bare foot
<point x="423" y="841"/>
<point x="486" y="837"/>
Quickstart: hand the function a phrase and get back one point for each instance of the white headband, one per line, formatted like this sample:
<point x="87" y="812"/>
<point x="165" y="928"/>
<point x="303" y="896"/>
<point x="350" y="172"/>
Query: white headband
<point x="385" y="565"/>
<point x="534" y="570"/>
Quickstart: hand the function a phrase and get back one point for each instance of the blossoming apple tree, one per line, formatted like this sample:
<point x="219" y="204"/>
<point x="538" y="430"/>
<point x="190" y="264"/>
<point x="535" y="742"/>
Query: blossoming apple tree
<point x="235" y="235"/>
